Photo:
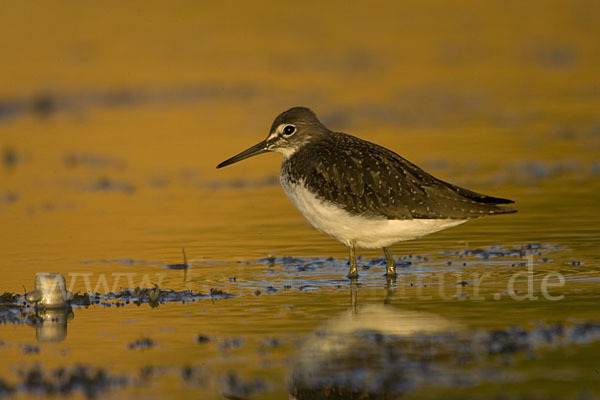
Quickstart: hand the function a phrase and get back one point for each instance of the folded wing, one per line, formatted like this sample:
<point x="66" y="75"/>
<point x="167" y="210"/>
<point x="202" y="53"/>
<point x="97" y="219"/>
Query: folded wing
<point x="365" y="178"/>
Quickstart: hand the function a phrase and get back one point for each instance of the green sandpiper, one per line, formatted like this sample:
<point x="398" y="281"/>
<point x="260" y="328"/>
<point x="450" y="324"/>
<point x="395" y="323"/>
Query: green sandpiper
<point x="360" y="193"/>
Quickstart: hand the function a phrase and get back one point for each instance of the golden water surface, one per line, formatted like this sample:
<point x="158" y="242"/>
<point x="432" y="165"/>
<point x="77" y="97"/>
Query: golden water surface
<point x="113" y="116"/>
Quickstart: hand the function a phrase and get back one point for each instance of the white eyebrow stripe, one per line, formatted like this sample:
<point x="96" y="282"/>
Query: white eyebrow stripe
<point x="272" y="136"/>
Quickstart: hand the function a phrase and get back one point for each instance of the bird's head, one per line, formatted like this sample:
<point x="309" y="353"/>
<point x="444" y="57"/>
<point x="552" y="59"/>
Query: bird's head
<point x="291" y="130"/>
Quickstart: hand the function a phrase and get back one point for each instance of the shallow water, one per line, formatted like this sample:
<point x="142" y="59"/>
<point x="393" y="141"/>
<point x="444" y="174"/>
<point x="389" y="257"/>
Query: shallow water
<point x="106" y="174"/>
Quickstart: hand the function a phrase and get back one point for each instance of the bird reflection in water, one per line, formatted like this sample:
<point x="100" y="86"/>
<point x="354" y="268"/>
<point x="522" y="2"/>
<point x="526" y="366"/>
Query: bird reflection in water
<point x="371" y="351"/>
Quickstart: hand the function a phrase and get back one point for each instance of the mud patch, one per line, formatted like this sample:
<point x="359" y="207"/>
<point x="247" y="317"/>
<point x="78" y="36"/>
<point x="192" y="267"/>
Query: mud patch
<point x="88" y="381"/>
<point x="94" y="382"/>
<point x="235" y="386"/>
<point x="315" y="263"/>
<point x="143" y="343"/>
<point x="106" y="184"/>
<point x="536" y="249"/>
<point x="15" y="310"/>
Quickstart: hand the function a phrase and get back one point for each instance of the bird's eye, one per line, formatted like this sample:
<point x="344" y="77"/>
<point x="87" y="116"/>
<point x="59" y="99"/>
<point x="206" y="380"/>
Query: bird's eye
<point x="288" y="130"/>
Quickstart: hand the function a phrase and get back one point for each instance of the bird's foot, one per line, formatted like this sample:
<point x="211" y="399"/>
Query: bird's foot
<point x="390" y="271"/>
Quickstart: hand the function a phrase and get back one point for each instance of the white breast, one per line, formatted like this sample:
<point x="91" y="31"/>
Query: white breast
<point x="369" y="233"/>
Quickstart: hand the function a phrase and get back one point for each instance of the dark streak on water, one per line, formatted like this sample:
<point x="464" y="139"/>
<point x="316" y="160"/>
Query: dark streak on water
<point x="50" y="103"/>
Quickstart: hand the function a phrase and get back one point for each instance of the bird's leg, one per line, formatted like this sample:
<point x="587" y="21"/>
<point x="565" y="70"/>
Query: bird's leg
<point x="353" y="274"/>
<point x="389" y="289"/>
<point x="353" y="295"/>
<point x="391" y="264"/>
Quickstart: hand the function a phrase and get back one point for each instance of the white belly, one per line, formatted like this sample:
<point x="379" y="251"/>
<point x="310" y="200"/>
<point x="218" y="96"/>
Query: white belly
<point x="363" y="232"/>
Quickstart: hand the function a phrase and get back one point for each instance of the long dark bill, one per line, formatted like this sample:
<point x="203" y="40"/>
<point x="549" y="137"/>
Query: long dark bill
<point x="255" y="150"/>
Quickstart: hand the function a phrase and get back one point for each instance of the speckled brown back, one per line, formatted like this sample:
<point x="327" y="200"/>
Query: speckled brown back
<point x="367" y="179"/>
